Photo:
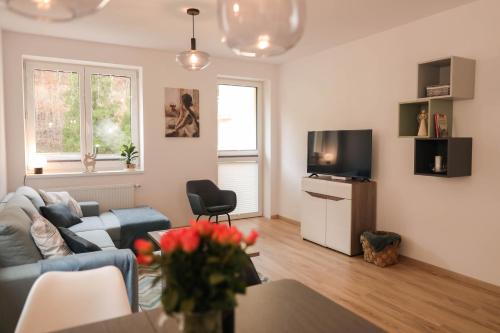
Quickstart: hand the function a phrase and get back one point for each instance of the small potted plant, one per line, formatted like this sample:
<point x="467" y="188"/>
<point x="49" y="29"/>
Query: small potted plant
<point x="202" y="272"/>
<point x="129" y="154"/>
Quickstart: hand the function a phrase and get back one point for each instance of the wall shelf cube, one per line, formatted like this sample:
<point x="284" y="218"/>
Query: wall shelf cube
<point x="456" y="154"/>
<point x="408" y="113"/>
<point x="457" y="72"/>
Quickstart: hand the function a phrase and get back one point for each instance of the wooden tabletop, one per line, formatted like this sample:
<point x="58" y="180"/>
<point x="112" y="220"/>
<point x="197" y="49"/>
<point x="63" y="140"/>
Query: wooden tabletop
<point x="280" y="306"/>
<point x="252" y="251"/>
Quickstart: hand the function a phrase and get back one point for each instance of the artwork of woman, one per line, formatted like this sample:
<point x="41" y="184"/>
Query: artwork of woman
<point x="182" y="121"/>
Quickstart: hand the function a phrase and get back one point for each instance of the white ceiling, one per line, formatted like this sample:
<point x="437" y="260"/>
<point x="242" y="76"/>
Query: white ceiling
<point x="163" y="24"/>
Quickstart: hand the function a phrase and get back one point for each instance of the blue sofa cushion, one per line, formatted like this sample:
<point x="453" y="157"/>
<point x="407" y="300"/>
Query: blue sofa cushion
<point x="16" y="245"/>
<point x="98" y="237"/>
<point x="21" y="201"/>
<point x="60" y="215"/>
<point x="106" y="221"/>
<point x="76" y="243"/>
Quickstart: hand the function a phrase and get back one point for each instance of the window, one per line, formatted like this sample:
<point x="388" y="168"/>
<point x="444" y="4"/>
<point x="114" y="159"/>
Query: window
<point x="237" y="118"/>
<point x="77" y="109"/>
<point x="239" y="141"/>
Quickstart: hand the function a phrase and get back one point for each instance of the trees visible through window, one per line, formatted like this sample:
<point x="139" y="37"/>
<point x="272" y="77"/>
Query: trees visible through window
<point x="56" y="102"/>
<point x="76" y="109"/>
<point x="111" y="113"/>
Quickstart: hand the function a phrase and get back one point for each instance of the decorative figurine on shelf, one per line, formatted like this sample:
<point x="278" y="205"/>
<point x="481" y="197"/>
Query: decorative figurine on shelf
<point x="90" y="159"/>
<point x="422" y="123"/>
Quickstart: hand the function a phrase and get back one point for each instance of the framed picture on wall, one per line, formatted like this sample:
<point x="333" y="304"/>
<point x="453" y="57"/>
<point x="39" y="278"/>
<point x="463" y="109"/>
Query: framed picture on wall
<point x="182" y="112"/>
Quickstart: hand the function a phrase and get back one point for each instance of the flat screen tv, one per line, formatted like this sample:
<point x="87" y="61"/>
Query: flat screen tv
<point x="345" y="153"/>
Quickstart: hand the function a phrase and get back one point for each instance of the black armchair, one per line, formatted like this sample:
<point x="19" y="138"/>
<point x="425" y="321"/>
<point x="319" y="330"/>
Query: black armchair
<point x="206" y="199"/>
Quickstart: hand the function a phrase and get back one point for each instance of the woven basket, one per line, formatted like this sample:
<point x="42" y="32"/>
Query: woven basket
<point x="386" y="257"/>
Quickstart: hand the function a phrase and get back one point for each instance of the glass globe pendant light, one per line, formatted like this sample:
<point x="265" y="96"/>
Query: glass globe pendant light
<point x="55" y="10"/>
<point x="193" y="59"/>
<point x="260" y="28"/>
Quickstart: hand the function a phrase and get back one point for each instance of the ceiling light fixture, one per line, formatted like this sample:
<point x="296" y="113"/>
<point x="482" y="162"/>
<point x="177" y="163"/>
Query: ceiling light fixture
<point x="260" y="28"/>
<point x="55" y="10"/>
<point x="193" y="59"/>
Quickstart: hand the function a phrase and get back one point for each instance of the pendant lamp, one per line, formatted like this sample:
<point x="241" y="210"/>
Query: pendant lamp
<point x="193" y="59"/>
<point x="55" y="10"/>
<point x="260" y="28"/>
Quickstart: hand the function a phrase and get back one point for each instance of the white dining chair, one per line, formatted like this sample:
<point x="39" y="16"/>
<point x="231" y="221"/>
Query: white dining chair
<point x="60" y="300"/>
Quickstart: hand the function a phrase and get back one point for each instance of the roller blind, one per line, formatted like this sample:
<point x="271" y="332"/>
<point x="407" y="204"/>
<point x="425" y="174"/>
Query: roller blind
<point x="242" y="178"/>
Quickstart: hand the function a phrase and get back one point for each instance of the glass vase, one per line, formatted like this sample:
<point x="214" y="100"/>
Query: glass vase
<point x="204" y="322"/>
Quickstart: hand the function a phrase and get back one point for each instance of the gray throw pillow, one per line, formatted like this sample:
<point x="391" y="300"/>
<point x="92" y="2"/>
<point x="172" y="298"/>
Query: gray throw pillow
<point x="76" y="243"/>
<point x="60" y="215"/>
<point x="16" y="245"/>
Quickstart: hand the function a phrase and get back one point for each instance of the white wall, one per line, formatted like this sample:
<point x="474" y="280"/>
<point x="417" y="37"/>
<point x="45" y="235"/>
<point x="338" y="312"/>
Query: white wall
<point x="451" y="223"/>
<point x="3" y="162"/>
<point x="169" y="162"/>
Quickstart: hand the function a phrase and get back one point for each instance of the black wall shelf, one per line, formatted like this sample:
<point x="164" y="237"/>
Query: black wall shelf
<point x="456" y="153"/>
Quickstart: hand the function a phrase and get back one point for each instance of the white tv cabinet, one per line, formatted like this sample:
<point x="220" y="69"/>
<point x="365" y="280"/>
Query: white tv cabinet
<point x="334" y="213"/>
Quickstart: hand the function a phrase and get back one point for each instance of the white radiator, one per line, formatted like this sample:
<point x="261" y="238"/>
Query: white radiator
<point x="108" y="196"/>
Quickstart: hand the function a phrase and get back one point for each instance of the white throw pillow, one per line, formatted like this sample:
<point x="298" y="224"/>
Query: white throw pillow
<point x="51" y="198"/>
<point x="47" y="238"/>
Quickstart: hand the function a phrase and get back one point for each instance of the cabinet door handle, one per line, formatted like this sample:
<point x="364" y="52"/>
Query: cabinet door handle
<point x="324" y="196"/>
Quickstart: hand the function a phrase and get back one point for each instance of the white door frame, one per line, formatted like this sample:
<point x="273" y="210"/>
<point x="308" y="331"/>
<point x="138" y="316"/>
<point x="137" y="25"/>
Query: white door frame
<point x="250" y="156"/>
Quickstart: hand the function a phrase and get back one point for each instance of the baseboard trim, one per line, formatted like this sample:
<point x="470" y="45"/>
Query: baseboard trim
<point x="285" y="219"/>
<point x="453" y="275"/>
<point x="426" y="266"/>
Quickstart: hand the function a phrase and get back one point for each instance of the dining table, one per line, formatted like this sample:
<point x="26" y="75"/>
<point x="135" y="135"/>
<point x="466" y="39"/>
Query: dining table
<point x="282" y="306"/>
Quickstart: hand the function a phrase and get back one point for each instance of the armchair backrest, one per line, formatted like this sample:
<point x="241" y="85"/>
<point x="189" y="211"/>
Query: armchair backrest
<point x="206" y="189"/>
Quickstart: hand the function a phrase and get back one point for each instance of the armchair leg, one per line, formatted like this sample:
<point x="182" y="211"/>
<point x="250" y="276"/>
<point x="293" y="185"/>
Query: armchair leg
<point x="229" y="219"/>
<point x="210" y="217"/>
<point x="217" y="219"/>
<point x="198" y="218"/>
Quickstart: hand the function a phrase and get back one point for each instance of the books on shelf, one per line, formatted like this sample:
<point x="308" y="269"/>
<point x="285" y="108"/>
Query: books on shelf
<point x="441" y="125"/>
<point x="438" y="90"/>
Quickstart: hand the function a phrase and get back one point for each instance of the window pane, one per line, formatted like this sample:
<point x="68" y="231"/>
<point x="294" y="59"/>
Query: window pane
<point x="57" y="111"/>
<point x="237" y="118"/>
<point x="111" y="112"/>
<point x="242" y="178"/>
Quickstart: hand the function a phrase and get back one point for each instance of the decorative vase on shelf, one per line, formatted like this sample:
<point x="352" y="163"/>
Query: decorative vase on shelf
<point x="200" y="269"/>
<point x="206" y="322"/>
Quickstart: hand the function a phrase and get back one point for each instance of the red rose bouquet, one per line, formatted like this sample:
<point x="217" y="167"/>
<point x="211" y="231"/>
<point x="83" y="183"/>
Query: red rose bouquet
<point x="201" y="266"/>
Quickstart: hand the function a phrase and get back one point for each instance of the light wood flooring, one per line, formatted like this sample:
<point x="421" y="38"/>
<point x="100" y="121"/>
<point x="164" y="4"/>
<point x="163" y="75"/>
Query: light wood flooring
<point x="408" y="297"/>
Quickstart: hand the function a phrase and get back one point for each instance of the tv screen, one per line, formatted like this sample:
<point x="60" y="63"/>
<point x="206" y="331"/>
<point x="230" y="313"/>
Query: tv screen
<point x="340" y="153"/>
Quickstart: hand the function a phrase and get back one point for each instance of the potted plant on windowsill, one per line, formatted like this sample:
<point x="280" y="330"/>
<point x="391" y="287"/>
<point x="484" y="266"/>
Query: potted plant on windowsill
<point x="129" y="154"/>
<point x="202" y="272"/>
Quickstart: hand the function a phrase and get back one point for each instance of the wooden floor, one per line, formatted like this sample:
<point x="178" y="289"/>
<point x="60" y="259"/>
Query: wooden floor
<point x="407" y="297"/>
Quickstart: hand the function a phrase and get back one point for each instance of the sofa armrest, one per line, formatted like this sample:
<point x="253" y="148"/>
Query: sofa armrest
<point x="16" y="281"/>
<point x="15" y="285"/>
<point x="89" y="208"/>
<point x="124" y="260"/>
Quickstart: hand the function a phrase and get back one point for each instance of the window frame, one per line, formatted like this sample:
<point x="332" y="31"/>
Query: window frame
<point x="85" y="70"/>
<point x="259" y="116"/>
